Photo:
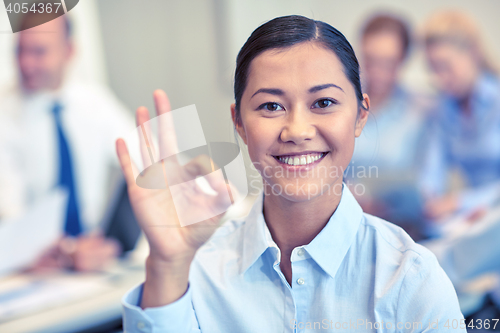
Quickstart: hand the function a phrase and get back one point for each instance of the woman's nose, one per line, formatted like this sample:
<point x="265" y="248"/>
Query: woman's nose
<point x="298" y="128"/>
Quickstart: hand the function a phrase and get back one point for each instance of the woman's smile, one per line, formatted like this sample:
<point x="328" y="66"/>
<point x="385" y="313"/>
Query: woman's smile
<point x="301" y="160"/>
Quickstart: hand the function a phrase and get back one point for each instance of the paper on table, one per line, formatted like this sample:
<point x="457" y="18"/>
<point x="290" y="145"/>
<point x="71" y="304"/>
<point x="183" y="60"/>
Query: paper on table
<point x="22" y="295"/>
<point x="22" y="239"/>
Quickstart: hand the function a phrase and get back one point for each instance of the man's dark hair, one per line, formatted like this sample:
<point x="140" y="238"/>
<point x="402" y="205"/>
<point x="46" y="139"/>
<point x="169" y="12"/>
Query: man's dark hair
<point x="389" y="23"/>
<point x="32" y="19"/>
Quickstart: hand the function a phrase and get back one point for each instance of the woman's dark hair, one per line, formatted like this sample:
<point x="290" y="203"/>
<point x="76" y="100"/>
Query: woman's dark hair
<point x="286" y="31"/>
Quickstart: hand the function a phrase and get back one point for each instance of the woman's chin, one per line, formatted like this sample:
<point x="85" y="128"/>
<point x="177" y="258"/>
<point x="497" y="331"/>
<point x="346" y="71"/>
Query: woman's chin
<point x="303" y="191"/>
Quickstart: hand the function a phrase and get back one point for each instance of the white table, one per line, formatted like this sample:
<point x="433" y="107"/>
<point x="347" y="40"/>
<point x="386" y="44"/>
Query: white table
<point x="100" y="306"/>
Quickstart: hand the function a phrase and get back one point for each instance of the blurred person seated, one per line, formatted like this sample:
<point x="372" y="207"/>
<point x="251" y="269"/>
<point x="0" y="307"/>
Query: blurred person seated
<point x="465" y="124"/>
<point x="469" y="256"/>
<point x="58" y="133"/>
<point x="465" y="136"/>
<point x="387" y="150"/>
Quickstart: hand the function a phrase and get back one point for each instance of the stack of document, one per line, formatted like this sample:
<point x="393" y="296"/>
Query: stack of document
<point x="23" y="294"/>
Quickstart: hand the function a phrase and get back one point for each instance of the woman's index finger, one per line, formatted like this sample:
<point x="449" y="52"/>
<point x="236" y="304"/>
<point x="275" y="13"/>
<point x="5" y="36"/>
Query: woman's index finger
<point x="125" y="161"/>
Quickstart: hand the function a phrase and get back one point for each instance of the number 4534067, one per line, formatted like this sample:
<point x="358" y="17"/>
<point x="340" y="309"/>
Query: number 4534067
<point x="41" y="7"/>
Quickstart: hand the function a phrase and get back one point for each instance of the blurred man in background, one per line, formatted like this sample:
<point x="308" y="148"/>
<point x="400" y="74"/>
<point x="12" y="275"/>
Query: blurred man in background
<point x="389" y="144"/>
<point x="59" y="134"/>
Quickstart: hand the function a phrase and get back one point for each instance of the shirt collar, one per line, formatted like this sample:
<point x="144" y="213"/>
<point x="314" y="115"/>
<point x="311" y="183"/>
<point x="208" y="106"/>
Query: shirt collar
<point x="40" y="102"/>
<point x="256" y="237"/>
<point x="327" y="249"/>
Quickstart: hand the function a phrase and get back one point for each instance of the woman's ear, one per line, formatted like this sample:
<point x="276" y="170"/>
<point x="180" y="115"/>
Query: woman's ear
<point x="238" y="124"/>
<point x="362" y="117"/>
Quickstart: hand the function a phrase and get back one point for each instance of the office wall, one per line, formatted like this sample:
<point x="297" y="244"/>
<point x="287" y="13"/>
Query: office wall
<point x="172" y="45"/>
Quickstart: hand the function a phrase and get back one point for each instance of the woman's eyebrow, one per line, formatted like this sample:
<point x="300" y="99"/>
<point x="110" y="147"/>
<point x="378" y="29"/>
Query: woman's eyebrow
<point x="324" y="86"/>
<point x="272" y="91"/>
<point x="279" y="92"/>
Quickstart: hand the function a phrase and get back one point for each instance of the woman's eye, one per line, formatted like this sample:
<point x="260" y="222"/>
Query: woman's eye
<point x="323" y="103"/>
<point x="271" y="106"/>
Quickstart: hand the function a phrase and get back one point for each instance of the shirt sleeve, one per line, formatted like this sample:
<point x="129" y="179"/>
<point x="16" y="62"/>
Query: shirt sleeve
<point x="427" y="301"/>
<point x="176" y="317"/>
<point x="480" y="197"/>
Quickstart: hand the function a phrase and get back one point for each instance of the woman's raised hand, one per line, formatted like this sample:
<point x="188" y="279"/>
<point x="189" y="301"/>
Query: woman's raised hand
<point x="172" y="246"/>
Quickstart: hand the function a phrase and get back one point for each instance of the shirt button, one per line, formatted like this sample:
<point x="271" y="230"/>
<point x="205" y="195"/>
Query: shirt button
<point x="141" y="325"/>
<point x="300" y="252"/>
<point x="301" y="281"/>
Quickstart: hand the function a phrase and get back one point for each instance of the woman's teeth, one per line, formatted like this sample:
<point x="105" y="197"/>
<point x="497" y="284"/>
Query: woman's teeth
<point x="300" y="159"/>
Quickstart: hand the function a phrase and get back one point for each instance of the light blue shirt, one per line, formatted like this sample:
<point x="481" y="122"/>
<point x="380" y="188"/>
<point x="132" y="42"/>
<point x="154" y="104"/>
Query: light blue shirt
<point x="359" y="274"/>
<point x="469" y="142"/>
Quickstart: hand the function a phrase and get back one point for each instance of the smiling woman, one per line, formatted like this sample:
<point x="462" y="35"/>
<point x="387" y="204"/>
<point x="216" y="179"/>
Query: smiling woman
<point x="306" y="257"/>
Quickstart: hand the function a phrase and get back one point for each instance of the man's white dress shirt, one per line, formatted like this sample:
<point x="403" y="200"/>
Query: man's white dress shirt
<point x="92" y="120"/>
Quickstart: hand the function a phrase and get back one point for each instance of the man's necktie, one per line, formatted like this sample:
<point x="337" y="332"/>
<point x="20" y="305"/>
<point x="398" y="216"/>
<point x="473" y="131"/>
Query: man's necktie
<point x="72" y="226"/>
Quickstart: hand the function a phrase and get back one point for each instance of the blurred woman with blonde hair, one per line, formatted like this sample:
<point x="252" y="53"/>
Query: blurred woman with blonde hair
<point x="465" y="135"/>
<point x="465" y="127"/>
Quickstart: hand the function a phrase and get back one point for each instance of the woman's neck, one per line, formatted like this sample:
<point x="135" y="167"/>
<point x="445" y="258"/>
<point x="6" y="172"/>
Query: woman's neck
<point x="293" y="224"/>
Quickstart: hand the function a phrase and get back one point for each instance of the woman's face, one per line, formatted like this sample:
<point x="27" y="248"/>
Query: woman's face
<point x="299" y="120"/>
<point x="455" y="68"/>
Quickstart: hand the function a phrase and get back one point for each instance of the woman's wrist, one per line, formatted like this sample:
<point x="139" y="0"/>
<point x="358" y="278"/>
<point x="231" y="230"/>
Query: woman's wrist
<point x="159" y="267"/>
<point x="160" y="260"/>
<point x="166" y="281"/>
